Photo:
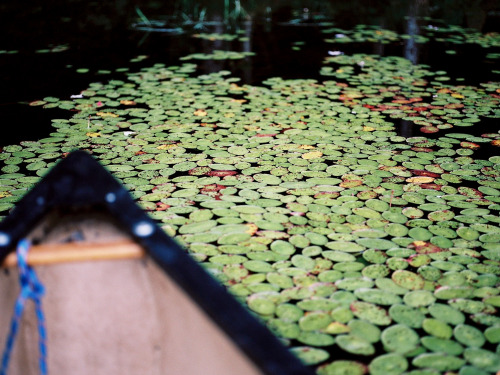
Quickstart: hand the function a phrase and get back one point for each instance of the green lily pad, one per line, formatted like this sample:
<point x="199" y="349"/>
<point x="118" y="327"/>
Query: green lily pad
<point x="369" y="233"/>
<point x="389" y="285"/>
<point x="483" y="359"/>
<point x="302" y="261"/>
<point x="283" y="329"/>
<point x="420" y="234"/>
<point x="365" y="330"/>
<point x="249" y="209"/>
<point x="468" y="305"/>
<point x="408" y="279"/>
<point x="353" y="283"/>
<point x="438" y="361"/>
<point x="438" y="345"/>
<point x="412" y="212"/>
<point x="375" y="271"/>
<point x="395" y="217"/>
<point x="407" y="315"/>
<point x="443" y="215"/>
<point x="317" y="303"/>
<point x="490" y="237"/>
<point x="337" y="170"/>
<point x="342" y="367"/>
<point x="492" y="334"/>
<point x="377" y="205"/>
<point x="446" y="313"/>
<point x="289" y="312"/>
<point x="355" y="345"/>
<point x="338" y="256"/>
<point x="379" y="297"/>
<point x="388" y="364"/>
<point x="366" y="212"/>
<point x="309" y="355"/>
<point x="400" y="338"/>
<point x="314" y="321"/>
<point x="376" y="243"/>
<point x="453" y="292"/>
<point x="258" y="266"/>
<point x="348" y="247"/>
<point x="282" y="247"/>
<point x="233" y="238"/>
<point x="417" y="298"/>
<point x="396" y="230"/>
<point x="282" y="281"/>
<point x="261" y="304"/>
<point x="370" y="312"/>
<point x="437" y="328"/>
<point x="315" y="339"/>
<point x="374" y="256"/>
<point x="474" y="211"/>
<point x="197" y="227"/>
<point x="469" y="335"/>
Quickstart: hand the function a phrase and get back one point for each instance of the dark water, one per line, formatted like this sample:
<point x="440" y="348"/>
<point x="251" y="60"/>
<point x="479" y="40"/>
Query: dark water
<point x="101" y="36"/>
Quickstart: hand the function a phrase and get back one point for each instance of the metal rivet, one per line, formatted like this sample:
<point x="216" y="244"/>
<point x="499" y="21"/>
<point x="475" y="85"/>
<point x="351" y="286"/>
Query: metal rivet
<point x="110" y="197"/>
<point x="143" y="229"/>
<point x="4" y="239"/>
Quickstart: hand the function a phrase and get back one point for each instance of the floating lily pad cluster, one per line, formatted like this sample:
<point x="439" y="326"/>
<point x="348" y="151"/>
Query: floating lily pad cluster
<point x="218" y="36"/>
<point x="363" y="250"/>
<point x="218" y="55"/>
<point x="394" y="86"/>
<point x="429" y="30"/>
<point x="49" y="49"/>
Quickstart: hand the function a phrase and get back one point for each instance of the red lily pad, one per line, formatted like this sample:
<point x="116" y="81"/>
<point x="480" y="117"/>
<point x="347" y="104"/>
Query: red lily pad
<point x="470" y="192"/>
<point x="423" y="247"/>
<point x="431" y="186"/>
<point x="470" y="145"/>
<point x="429" y="129"/>
<point x="222" y="173"/>
<point x="418" y="172"/>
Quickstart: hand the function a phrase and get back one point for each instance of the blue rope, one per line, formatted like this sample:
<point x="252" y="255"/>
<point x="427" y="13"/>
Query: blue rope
<point x="31" y="288"/>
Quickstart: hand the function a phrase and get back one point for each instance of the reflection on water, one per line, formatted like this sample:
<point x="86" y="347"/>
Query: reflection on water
<point x="411" y="46"/>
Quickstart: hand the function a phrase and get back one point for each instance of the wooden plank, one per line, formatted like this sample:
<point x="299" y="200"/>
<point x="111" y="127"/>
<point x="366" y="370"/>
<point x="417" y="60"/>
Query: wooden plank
<point x="44" y="254"/>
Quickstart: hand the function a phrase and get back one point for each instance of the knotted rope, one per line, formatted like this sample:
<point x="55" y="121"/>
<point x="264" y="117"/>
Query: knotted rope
<point x="31" y="288"/>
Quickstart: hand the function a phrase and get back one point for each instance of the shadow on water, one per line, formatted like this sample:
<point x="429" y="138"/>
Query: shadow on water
<point x="47" y="45"/>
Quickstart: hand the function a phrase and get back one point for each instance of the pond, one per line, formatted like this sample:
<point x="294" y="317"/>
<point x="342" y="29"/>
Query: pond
<point x="336" y="166"/>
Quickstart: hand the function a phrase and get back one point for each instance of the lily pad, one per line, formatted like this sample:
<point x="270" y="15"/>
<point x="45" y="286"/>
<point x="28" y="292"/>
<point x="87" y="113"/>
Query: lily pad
<point x="355" y="345"/>
<point x="437" y="328"/>
<point x="469" y="335"/>
<point x="483" y="359"/>
<point x="438" y="361"/>
<point x="376" y="243"/>
<point x="343" y="367"/>
<point x="408" y="279"/>
<point x="379" y="297"/>
<point x="365" y="330"/>
<point x="315" y="339"/>
<point x="400" y="338"/>
<point x="388" y="364"/>
<point x="417" y="298"/>
<point x="370" y="312"/>
<point x="407" y="315"/>
<point x="314" y="321"/>
<point x="446" y="313"/>
<point x="439" y="345"/>
<point x="261" y="304"/>
<point x="310" y="355"/>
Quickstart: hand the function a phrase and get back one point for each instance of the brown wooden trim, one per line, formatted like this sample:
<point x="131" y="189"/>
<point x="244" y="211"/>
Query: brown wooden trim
<point x="78" y="252"/>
